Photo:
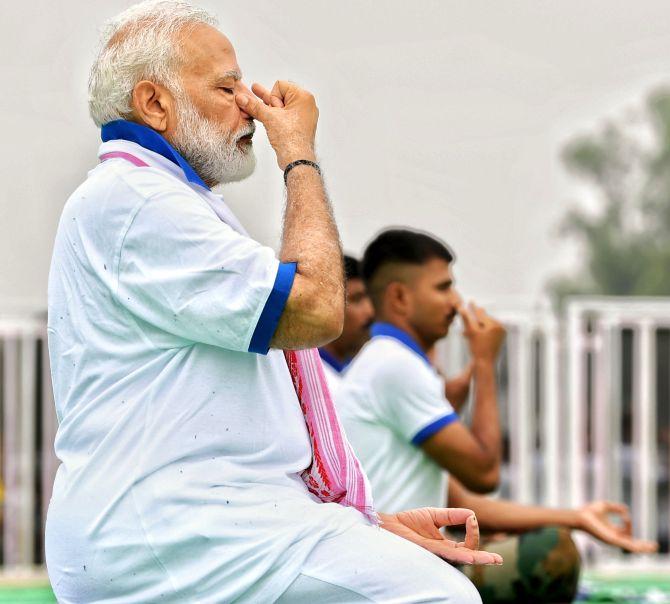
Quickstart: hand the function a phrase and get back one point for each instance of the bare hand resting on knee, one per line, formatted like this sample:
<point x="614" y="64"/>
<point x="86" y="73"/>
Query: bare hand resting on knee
<point x="422" y="526"/>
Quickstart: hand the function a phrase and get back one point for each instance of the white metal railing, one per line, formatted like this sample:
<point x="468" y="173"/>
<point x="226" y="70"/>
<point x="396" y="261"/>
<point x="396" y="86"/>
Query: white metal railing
<point x="28" y="462"/>
<point x="563" y="422"/>
<point x="548" y="392"/>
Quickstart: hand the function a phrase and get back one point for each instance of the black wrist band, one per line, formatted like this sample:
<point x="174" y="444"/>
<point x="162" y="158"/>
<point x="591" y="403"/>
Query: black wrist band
<point x="300" y="162"/>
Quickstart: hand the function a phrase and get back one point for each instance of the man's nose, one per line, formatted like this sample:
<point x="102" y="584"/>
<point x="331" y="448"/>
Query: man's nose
<point x="242" y="88"/>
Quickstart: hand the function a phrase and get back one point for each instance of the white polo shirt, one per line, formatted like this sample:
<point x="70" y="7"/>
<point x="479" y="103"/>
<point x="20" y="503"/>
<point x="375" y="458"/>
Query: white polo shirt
<point x="391" y="401"/>
<point x="181" y="449"/>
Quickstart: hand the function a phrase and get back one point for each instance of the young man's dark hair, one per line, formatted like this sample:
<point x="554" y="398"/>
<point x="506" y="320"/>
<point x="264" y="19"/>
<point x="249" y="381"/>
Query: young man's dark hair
<point x="352" y="268"/>
<point x="402" y="246"/>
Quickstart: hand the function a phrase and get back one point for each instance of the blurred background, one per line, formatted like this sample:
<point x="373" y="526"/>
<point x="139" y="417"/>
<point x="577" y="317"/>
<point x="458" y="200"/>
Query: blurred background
<point x="533" y="137"/>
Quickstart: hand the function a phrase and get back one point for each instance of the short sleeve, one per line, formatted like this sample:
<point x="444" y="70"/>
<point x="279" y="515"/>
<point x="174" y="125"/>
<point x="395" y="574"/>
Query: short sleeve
<point x="411" y="399"/>
<point x="183" y="270"/>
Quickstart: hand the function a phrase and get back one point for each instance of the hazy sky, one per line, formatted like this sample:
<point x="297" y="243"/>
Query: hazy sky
<point x="448" y="116"/>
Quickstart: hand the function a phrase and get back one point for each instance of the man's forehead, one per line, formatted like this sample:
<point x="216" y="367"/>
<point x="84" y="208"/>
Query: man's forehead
<point x="207" y="50"/>
<point x="438" y="266"/>
<point x="355" y="284"/>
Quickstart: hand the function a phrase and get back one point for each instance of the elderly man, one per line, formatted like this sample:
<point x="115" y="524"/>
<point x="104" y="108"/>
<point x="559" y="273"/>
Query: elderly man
<point x="201" y="456"/>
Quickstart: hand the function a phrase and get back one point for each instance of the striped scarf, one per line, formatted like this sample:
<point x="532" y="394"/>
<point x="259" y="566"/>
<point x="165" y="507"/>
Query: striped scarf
<point x="335" y="474"/>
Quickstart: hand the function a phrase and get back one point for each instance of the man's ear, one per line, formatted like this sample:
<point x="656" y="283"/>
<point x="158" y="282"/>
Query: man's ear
<point x="153" y="105"/>
<point x="397" y="295"/>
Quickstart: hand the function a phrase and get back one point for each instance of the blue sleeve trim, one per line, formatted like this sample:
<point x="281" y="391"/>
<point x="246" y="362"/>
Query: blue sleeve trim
<point x="436" y="426"/>
<point x="274" y="307"/>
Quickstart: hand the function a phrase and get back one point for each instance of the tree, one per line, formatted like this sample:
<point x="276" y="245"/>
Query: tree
<point x="627" y="244"/>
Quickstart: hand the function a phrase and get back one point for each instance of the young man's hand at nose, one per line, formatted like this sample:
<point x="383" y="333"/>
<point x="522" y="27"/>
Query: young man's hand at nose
<point x="484" y="334"/>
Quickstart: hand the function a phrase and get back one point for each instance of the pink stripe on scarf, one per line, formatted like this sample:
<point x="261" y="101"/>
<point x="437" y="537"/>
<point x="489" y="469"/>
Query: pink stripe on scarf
<point x="123" y="155"/>
<point x="335" y="474"/>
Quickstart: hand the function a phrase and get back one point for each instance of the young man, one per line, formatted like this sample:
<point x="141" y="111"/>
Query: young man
<point x="201" y="457"/>
<point x="409" y="438"/>
<point x="409" y="280"/>
<point x="358" y="317"/>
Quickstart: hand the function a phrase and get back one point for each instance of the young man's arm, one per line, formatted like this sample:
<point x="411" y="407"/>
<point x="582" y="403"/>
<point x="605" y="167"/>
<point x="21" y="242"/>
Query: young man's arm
<point x="457" y="388"/>
<point x="473" y="454"/>
<point x="314" y="311"/>
<point x="593" y="518"/>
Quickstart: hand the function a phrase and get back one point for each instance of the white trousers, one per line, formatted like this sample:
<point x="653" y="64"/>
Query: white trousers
<point x="368" y="564"/>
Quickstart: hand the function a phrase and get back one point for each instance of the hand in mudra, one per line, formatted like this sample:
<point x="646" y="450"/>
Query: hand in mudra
<point x="422" y="526"/>
<point x="596" y="518"/>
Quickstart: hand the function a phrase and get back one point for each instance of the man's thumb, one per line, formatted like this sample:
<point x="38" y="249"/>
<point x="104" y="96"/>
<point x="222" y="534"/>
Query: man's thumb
<point x="254" y="107"/>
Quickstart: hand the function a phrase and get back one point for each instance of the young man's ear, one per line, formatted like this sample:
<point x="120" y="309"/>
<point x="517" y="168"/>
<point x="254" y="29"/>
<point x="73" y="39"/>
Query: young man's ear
<point x="397" y="294"/>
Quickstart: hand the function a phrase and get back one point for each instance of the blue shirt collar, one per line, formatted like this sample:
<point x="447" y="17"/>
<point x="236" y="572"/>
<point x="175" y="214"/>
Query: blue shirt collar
<point x="391" y="331"/>
<point x="151" y="140"/>
<point x="337" y="365"/>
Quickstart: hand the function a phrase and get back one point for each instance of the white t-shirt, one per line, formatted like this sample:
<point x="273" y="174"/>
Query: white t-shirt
<point x="392" y="400"/>
<point x="333" y="378"/>
<point x="180" y="449"/>
<point x="333" y="370"/>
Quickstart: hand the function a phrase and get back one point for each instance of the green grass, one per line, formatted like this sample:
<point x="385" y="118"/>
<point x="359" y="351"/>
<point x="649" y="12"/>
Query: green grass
<point x="26" y="595"/>
<point x="634" y="588"/>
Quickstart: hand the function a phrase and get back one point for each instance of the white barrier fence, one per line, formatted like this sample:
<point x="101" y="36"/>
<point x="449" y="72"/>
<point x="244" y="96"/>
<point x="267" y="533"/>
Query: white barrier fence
<point x="584" y="402"/>
<point x="28" y="430"/>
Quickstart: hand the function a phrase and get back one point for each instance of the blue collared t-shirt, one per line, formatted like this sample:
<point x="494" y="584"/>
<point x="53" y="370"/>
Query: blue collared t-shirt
<point x="390" y="402"/>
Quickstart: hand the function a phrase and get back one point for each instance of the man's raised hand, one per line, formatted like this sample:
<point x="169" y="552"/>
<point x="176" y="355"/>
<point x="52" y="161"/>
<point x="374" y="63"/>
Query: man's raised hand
<point x="289" y="115"/>
<point x="485" y="335"/>
<point x="422" y="526"/>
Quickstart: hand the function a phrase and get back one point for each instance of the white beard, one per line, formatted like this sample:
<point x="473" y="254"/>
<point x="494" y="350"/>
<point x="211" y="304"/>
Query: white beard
<point x="212" y="152"/>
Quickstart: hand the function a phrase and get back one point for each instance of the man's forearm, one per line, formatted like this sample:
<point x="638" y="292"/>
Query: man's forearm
<point x="485" y="425"/>
<point x="315" y="311"/>
<point x="310" y="235"/>
<point x="496" y="515"/>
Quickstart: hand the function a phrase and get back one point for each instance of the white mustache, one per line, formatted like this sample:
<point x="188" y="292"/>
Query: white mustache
<point x="250" y="129"/>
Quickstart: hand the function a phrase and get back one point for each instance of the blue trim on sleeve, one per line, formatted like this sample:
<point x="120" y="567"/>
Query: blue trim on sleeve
<point x="274" y="307"/>
<point x="436" y="426"/>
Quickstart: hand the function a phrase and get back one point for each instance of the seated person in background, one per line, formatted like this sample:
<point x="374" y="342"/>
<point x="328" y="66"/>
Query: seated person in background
<point x="410" y="283"/>
<point x="408" y="438"/>
<point x="358" y="316"/>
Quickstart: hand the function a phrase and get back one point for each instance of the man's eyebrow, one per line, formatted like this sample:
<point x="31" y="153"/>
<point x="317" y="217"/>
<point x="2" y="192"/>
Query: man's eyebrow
<point x="232" y="73"/>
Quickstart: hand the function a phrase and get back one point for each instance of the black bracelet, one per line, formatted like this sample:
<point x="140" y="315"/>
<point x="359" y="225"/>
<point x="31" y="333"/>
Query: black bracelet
<point x="300" y="162"/>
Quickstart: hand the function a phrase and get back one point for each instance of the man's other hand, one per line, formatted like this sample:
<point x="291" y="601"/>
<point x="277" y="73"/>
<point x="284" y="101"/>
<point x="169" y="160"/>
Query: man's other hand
<point x="596" y="518"/>
<point x="289" y="115"/>
<point x="485" y="335"/>
<point x="422" y="526"/>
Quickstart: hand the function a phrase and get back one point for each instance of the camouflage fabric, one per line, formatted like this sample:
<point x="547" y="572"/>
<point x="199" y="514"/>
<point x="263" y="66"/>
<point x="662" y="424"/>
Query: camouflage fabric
<point x="540" y="566"/>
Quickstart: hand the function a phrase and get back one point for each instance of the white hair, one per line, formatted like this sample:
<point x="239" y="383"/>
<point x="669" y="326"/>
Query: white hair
<point x="139" y="44"/>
